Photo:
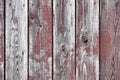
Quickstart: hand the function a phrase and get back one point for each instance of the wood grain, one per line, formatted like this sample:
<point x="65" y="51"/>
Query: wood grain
<point x="87" y="39"/>
<point x="1" y="39"/>
<point x="16" y="40"/>
<point x="40" y="40"/>
<point x="64" y="39"/>
<point x="109" y="40"/>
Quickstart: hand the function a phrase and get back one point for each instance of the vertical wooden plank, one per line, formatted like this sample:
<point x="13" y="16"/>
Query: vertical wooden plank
<point x="1" y="39"/>
<point x="16" y="40"/>
<point x="64" y="39"/>
<point x="110" y="40"/>
<point x="87" y="39"/>
<point x="40" y="40"/>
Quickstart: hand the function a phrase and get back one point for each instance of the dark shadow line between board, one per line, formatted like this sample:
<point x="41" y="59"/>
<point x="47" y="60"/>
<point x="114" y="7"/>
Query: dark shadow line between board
<point x="52" y="43"/>
<point x="28" y="38"/>
<point x="4" y="39"/>
<point x="99" y="35"/>
<point x="75" y="36"/>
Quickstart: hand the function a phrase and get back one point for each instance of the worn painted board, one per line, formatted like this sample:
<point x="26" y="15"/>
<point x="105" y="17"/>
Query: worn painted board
<point x="87" y="39"/>
<point x="64" y="39"/>
<point x="110" y="40"/>
<point x="16" y="40"/>
<point x="40" y="40"/>
<point x="2" y="39"/>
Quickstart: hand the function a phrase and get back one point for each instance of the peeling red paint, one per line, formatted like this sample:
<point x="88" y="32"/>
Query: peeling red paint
<point x="87" y="40"/>
<point x="64" y="39"/>
<point x="40" y="36"/>
<point x="109" y="40"/>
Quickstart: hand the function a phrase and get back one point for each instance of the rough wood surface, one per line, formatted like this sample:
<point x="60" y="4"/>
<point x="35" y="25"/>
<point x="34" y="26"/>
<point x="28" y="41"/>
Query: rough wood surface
<point x="87" y="39"/>
<point x="1" y="39"/>
<point x="64" y="39"/>
<point x="40" y="40"/>
<point x="110" y="40"/>
<point x="16" y="40"/>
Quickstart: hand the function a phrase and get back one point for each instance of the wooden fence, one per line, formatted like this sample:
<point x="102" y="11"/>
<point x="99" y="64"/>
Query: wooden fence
<point x="59" y="40"/>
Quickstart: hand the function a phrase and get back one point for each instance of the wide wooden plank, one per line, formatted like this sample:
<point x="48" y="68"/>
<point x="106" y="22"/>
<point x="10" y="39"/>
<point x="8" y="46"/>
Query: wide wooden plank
<point x="16" y="40"/>
<point x="87" y="40"/>
<point x="64" y="39"/>
<point x="1" y="39"/>
<point x="40" y="39"/>
<point x="110" y="40"/>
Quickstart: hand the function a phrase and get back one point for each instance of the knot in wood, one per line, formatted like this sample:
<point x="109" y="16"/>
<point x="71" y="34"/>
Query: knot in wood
<point x="40" y="25"/>
<point x="63" y="48"/>
<point x="84" y="39"/>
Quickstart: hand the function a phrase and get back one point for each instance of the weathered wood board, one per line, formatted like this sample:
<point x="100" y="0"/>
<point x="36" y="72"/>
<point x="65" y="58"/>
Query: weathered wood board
<point x="16" y="40"/>
<point x="59" y="40"/>
<point x="40" y="40"/>
<point x="2" y="39"/>
<point x="109" y="40"/>
<point x="87" y="39"/>
<point x="64" y="39"/>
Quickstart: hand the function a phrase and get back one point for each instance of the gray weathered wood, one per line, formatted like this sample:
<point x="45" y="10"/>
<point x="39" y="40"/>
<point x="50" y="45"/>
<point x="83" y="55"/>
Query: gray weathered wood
<point x="64" y="39"/>
<point x="16" y="40"/>
<point x="87" y="39"/>
<point x="1" y="39"/>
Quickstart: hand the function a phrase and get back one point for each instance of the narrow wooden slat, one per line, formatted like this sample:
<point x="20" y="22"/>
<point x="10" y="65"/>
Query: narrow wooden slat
<point x="64" y="39"/>
<point x="40" y="39"/>
<point x="16" y="40"/>
<point x="87" y="39"/>
<point x="110" y="40"/>
<point x="1" y="39"/>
